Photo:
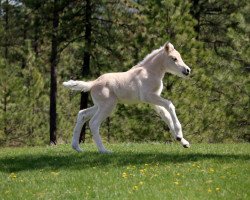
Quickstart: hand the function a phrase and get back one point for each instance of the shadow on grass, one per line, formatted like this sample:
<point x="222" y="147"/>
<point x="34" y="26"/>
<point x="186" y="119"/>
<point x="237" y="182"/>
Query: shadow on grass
<point x="75" y="161"/>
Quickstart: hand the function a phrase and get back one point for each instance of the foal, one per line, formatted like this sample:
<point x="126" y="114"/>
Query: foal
<point x="142" y="83"/>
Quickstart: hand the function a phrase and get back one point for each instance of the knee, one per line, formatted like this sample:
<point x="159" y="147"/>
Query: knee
<point x="171" y="106"/>
<point x="80" y="115"/>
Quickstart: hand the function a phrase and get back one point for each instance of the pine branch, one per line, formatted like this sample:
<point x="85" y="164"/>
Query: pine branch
<point x="69" y="42"/>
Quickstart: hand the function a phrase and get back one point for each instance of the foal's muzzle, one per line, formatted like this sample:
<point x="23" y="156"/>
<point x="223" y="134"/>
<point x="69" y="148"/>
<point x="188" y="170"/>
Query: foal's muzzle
<point x="186" y="71"/>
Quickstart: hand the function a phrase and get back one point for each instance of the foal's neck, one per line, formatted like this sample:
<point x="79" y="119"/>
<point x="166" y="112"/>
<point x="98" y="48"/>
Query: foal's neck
<point x="155" y="66"/>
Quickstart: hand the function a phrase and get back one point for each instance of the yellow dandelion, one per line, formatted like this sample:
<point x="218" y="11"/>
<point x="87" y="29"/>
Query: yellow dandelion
<point x="124" y="175"/>
<point x="194" y="165"/>
<point x="211" y="169"/>
<point x="13" y="176"/>
<point x="209" y="190"/>
<point x="141" y="183"/>
<point x="176" y="183"/>
<point x="217" y="189"/>
<point x="135" y="187"/>
<point x="55" y="173"/>
<point x="209" y="181"/>
<point x="178" y="174"/>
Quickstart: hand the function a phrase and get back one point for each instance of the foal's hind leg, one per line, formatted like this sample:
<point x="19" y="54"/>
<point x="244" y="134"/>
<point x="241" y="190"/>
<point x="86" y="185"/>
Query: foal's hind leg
<point x="104" y="110"/>
<point x="83" y="116"/>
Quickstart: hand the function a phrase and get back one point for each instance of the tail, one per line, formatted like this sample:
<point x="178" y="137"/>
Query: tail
<point x="78" y="85"/>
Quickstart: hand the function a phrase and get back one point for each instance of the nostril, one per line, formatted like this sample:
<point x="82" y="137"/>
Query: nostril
<point x="186" y="71"/>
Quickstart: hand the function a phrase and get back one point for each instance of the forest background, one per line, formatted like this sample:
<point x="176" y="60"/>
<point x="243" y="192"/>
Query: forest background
<point x="43" y="43"/>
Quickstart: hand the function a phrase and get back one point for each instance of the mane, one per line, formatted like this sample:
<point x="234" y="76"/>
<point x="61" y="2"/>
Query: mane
<point x="148" y="57"/>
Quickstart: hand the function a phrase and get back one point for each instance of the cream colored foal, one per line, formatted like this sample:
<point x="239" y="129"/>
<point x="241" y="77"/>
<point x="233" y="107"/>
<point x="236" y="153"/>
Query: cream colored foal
<point x="142" y="83"/>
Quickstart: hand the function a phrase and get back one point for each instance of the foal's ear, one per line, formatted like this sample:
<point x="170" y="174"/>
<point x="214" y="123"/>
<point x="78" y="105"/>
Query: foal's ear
<point x="168" y="47"/>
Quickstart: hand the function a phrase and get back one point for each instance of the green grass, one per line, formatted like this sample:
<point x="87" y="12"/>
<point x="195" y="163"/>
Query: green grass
<point x="133" y="171"/>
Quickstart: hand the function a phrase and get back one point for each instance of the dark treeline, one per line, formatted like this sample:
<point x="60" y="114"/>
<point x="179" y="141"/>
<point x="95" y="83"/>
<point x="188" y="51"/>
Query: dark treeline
<point x="43" y="43"/>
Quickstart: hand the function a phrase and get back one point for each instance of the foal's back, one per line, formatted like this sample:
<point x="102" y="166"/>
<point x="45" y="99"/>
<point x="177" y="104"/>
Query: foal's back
<point x="124" y="86"/>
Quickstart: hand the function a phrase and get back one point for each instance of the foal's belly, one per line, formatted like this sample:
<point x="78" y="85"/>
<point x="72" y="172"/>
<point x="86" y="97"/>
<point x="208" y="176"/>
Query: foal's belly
<point x="127" y="93"/>
<point x="129" y="101"/>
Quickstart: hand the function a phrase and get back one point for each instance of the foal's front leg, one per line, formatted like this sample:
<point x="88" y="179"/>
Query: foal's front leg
<point x="166" y="117"/>
<point x="173" y="121"/>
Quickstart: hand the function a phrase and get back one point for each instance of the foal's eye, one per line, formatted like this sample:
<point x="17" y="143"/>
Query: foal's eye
<point x="174" y="59"/>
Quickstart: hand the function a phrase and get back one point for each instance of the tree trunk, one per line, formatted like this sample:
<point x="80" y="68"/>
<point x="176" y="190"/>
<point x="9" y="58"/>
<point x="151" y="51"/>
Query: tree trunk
<point x="195" y="11"/>
<point x="25" y="25"/>
<point x="6" y="56"/>
<point x="6" y="19"/>
<point x="53" y="74"/>
<point x="108" y="127"/>
<point x="86" y="62"/>
<point x="36" y="36"/>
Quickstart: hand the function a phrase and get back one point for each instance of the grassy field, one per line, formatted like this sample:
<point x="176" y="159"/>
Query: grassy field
<point x="133" y="171"/>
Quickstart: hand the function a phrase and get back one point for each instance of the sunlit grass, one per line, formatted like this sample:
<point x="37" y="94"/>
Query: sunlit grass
<point x="133" y="171"/>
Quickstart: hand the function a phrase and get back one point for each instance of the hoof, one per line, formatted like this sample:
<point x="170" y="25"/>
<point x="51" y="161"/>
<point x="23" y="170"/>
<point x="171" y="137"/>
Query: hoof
<point x="77" y="148"/>
<point x="186" y="146"/>
<point x="105" y="152"/>
<point x="178" y="138"/>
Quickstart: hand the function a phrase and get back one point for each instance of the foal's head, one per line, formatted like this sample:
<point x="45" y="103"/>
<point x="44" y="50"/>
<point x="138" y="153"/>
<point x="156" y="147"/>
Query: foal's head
<point x="173" y="62"/>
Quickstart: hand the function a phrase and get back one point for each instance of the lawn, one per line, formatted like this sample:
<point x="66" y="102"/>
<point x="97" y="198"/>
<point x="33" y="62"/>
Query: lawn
<point x="133" y="171"/>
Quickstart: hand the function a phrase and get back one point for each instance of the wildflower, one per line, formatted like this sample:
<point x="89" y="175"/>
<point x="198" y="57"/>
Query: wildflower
<point x="211" y="169"/>
<point x="135" y="187"/>
<point x="209" y="190"/>
<point x="194" y="165"/>
<point x="55" y="173"/>
<point x="124" y="175"/>
<point x="143" y="171"/>
<point x="12" y="176"/>
<point x="209" y="181"/>
<point x="178" y="174"/>
<point x="176" y="183"/>
<point x="217" y="189"/>
<point x="141" y="183"/>
<point x="146" y="164"/>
